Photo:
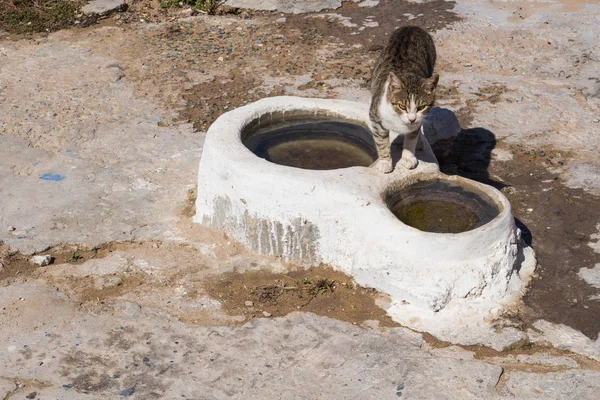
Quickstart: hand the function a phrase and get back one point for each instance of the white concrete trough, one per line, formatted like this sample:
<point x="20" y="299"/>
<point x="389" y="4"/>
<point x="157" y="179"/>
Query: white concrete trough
<point x="291" y="177"/>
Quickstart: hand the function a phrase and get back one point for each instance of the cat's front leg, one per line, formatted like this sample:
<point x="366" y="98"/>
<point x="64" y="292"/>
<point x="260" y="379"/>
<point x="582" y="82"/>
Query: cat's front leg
<point x="409" y="160"/>
<point x="382" y="140"/>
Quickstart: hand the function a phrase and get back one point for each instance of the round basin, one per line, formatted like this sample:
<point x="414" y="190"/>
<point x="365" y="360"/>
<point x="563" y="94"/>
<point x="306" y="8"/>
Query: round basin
<point x="310" y="142"/>
<point x="441" y="206"/>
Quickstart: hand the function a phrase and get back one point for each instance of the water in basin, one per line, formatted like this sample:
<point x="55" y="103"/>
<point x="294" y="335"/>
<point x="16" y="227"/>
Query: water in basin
<point x="315" y="145"/>
<point x="442" y="207"/>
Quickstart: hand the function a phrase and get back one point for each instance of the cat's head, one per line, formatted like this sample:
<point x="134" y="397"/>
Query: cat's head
<point x="411" y="96"/>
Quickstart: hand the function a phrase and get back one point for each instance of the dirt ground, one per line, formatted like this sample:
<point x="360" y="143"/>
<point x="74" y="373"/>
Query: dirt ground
<point x="289" y="49"/>
<point x="159" y="77"/>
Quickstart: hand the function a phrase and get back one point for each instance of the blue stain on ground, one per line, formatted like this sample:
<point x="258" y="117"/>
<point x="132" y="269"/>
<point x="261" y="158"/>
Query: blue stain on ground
<point x="127" y="392"/>
<point x="52" y="176"/>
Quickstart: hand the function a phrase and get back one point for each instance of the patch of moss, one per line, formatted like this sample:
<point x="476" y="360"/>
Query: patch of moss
<point x="29" y="16"/>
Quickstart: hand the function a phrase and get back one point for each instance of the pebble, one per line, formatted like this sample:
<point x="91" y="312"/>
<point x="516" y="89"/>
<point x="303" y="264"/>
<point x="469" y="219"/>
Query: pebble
<point x="41" y="260"/>
<point x="468" y="64"/>
<point x="249" y="303"/>
<point x="12" y="229"/>
<point x="245" y="15"/>
<point x="267" y="314"/>
<point x="109" y="282"/>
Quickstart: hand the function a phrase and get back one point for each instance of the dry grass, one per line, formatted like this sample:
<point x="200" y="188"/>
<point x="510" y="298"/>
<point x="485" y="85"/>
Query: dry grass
<point x="29" y="16"/>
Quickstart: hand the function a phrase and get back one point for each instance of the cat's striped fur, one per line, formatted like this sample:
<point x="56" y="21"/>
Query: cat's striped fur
<point x="403" y="91"/>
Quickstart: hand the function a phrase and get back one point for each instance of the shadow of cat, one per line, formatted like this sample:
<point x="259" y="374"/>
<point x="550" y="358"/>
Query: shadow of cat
<point x="459" y="151"/>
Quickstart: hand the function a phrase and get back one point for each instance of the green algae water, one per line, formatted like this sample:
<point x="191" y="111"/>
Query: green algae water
<point x="442" y="207"/>
<point x="316" y="145"/>
<point x="437" y="216"/>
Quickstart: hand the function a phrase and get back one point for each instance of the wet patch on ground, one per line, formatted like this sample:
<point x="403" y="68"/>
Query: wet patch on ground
<point x="319" y="290"/>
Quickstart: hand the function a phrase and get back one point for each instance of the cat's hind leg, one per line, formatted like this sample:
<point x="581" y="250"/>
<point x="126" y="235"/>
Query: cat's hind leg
<point x="409" y="160"/>
<point x="382" y="140"/>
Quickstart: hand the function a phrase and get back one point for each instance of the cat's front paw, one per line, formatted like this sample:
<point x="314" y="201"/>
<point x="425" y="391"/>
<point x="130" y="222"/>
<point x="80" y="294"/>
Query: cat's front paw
<point x="384" y="165"/>
<point x="409" y="161"/>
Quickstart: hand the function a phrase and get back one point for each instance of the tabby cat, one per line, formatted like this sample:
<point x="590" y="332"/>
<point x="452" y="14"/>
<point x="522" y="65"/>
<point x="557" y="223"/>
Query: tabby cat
<point x="403" y="91"/>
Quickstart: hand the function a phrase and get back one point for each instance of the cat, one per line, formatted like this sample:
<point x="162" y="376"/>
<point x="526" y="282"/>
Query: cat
<point x="403" y="91"/>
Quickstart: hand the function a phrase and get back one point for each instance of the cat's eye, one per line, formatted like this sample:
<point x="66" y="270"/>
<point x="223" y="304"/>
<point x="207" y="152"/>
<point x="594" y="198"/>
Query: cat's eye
<point x="401" y="107"/>
<point x="421" y="107"/>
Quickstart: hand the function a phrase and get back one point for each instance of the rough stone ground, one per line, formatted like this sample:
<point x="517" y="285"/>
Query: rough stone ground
<point x="100" y="138"/>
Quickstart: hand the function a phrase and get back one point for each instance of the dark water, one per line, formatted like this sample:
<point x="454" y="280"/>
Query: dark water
<point x="442" y="208"/>
<point x="315" y="145"/>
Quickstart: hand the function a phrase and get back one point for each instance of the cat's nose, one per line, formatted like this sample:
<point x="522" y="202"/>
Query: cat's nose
<point x="412" y="118"/>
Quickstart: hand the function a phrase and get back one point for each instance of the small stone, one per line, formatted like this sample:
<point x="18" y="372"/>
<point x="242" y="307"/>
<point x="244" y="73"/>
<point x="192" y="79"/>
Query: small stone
<point x="41" y="260"/>
<point x="109" y="282"/>
<point x="104" y="7"/>
<point x="468" y="64"/>
<point x="249" y="303"/>
<point x="187" y="12"/>
<point x="245" y="15"/>
<point x="267" y="314"/>
<point x="11" y="228"/>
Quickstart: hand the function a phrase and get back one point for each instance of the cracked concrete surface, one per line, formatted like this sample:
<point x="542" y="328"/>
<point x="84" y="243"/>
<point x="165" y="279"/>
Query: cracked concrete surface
<point x="93" y="150"/>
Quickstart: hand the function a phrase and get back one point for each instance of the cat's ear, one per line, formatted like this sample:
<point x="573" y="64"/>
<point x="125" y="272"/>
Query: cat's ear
<point x="429" y="84"/>
<point x="395" y="82"/>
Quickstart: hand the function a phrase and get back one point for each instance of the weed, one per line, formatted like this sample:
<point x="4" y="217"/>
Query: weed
<point x="27" y="16"/>
<point x="208" y="6"/>
<point x="75" y="256"/>
<point x="172" y="3"/>
<point x="320" y="287"/>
